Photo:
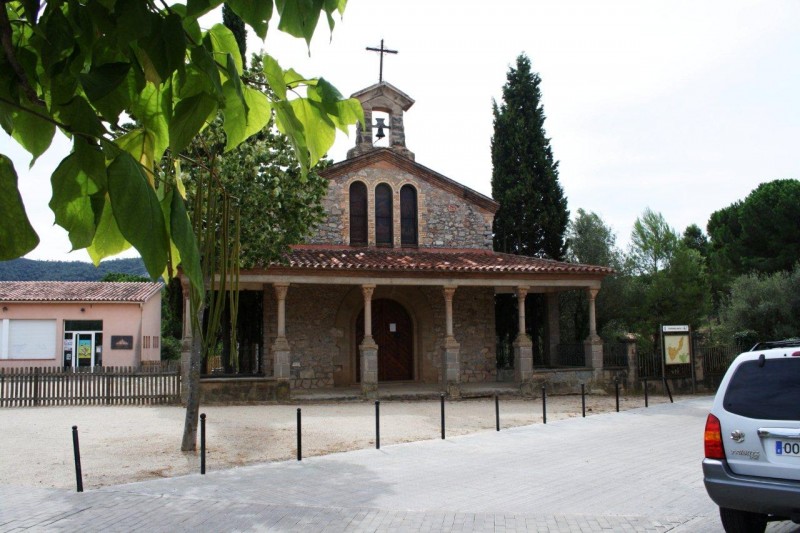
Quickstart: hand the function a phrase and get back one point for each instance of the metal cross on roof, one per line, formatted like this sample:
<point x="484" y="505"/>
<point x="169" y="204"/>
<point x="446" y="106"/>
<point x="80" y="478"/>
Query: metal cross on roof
<point x="381" y="51"/>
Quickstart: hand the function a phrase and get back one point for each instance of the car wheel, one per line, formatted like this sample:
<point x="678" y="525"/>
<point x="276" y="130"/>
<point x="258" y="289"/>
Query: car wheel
<point x="742" y="521"/>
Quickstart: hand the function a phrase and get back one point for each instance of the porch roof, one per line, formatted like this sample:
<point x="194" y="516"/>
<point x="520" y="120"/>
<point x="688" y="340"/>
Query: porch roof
<point x="320" y="263"/>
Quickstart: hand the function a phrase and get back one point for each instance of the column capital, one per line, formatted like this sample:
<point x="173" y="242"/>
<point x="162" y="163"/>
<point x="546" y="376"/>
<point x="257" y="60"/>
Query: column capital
<point x="449" y="291"/>
<point x="367" y="291"/>
<point x="280" y="290"/>
<point x="522" y="291"/>
<point x="592" y="292"/>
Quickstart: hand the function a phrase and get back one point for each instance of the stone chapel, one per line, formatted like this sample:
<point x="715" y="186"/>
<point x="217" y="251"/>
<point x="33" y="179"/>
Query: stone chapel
<point x="398" y="284"/>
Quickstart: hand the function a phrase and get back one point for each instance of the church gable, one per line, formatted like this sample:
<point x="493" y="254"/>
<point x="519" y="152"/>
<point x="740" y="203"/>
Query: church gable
<point x="382" y="199"/>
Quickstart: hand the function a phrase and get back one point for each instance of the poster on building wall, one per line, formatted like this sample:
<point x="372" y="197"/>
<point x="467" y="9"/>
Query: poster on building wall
<point x="84" y="348"/>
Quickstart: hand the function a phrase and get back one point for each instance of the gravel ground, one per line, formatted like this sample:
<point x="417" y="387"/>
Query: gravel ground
<point x="126" y="444"/>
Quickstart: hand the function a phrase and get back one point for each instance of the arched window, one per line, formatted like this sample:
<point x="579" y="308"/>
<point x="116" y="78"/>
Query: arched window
<point x="383" y="215"/>
<point x="408" y="216"/>
<point x="358" y="213"/>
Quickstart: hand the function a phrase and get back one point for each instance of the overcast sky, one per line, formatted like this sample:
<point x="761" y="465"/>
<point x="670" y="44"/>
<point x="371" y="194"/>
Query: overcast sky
<point x="680" y="106"/>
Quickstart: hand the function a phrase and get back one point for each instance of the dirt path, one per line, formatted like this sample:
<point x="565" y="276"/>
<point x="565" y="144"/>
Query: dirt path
<point x="126" y="444"/>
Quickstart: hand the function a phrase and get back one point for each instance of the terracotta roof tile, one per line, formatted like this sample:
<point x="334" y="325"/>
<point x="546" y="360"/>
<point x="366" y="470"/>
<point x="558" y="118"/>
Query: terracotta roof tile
<point x="428" y="260"/>
<point x="77" y="291"/>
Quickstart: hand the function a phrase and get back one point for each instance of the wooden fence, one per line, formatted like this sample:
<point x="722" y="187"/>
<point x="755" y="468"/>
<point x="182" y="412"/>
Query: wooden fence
<point x="20" y="387"/>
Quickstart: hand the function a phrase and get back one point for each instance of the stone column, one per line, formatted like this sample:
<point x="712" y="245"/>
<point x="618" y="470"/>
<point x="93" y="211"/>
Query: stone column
<point x="523" y="346"/>
<point x="553" y="327"/>
<point x="281" y="367"/>
<point x="368" y="349"/>
<point x="593" y="344"/>
<point x="451" y="361"/>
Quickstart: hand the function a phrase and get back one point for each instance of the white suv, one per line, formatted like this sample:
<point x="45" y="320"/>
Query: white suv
<point x="752" y="439"/>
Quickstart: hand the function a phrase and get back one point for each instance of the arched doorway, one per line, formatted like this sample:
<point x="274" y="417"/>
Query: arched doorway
<point x="393" y="332"/>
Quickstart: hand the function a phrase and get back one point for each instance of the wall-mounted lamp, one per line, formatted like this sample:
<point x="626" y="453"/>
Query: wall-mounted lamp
<point x="5" y="308"/>
<point x="83" y="309"/>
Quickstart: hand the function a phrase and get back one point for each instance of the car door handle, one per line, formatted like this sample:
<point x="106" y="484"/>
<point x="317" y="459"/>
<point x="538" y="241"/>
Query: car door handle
<point x="783" y="433"/>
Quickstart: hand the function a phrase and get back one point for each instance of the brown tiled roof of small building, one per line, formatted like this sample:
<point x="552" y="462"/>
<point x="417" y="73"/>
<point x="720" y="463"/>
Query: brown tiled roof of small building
<point x="433" y="260"/>
<point x="77" y="291"/>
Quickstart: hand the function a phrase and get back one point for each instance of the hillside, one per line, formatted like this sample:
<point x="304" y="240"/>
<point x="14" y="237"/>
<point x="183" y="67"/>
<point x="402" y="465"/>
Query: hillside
<point x="33" y="270"/>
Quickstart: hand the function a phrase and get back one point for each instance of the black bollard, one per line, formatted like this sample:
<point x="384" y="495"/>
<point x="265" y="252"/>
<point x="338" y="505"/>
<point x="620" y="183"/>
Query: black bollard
<point x="544" y="405"/>
<point x="497" y="411"/>
<point x="616" y="391"/>
<point x="299" y="438"/>
<point x="583" y="400"/>
<point x="645" y="393"/>
<point x="202" y="443"/>
<point x="442" y="402"/>
<point x="377" y="424"/>
<point x="77" y="450"/>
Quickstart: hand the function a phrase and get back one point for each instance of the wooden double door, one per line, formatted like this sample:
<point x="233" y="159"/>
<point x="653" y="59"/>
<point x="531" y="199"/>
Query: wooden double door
<point x="393" y="332"/>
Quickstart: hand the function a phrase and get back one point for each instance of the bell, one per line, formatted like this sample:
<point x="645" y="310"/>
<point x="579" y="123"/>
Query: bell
<point x="380" y="125"/>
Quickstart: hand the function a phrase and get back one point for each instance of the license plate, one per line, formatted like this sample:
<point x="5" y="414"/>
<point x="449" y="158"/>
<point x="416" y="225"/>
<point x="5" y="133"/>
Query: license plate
<point x="787" y="448"/>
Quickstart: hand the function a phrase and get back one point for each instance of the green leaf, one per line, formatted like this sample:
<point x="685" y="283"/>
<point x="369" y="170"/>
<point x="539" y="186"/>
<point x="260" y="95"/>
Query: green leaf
<point x="191" y="114"/>
<point x="185" y="241"/>
<point x="274" y="74"/>
<point x="348" y="112"/>
<point x="190" y="24"/>
<point x="205" y="63"/>
<point x="198" y="8"/>
<point x="34" y="134"/>
<point x="241" y="122"/>
<point x="133" y="20"/>
<point x="140" y="144"/>
<point x="80" y="117"/>
<point x="137" y="212"/>
<point x="102" y="80"/>
<point x="109" y="88"/>
<point x="71" y="202"/>
<point x="299" y="19"/>
<point x="17" y="236"/>
<point x="255" y="13"/>
<point x="224" y="42"/>
<point x="320" y="131"/>
<point x="165" y="45"/>
<point x="289" y="125"/>
<point x="165" y="200"/>
<point x="150" y="109"/>
<point x="108" y="239"/>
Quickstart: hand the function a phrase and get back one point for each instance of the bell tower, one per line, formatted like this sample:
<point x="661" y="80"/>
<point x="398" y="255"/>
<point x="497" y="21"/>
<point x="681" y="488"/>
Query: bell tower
<point x="386" y="98"/>
<point x="382" y="97"/>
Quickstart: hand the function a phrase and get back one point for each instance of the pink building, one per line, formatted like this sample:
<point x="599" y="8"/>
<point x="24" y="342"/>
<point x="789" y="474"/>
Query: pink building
<point x="79" y="324"/>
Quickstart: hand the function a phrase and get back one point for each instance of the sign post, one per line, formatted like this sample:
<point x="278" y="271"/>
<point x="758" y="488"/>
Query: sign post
<point x="676" y="349"/>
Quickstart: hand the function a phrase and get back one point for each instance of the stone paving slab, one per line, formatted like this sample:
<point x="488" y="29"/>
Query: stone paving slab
<point x="638" y="470"/>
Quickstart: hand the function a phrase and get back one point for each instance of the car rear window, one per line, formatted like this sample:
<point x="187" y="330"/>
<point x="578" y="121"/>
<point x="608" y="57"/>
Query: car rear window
<point x="771" y="391"/>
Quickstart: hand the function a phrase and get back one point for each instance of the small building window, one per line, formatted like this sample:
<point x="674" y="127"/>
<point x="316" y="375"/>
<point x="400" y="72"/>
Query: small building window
<point x="408" y="216"/>
<point x="383" y="215"/>
<point x="358" y="213"/>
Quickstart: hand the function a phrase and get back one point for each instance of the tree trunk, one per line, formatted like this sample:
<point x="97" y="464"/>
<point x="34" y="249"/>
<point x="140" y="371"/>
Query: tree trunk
<point x="189" y="443"/>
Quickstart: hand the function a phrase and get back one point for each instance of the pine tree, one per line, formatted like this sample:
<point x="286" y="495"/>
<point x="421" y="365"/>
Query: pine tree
<point x="533" y="215"/>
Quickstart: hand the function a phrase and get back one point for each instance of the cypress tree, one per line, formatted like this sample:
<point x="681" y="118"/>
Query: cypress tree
<point x="233" y="22"/>
<point x="533" y="215"/>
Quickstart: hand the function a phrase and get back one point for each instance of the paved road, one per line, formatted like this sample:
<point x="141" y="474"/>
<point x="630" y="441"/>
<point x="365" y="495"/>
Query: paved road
<point x="637" y="470"/>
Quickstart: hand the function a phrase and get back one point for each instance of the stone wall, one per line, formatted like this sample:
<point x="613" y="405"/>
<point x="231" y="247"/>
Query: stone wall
<point x="319" y="324"/>
<point x="310" y="314"/>
<point x="445" y="220"/>
<point x="473" y="328"/>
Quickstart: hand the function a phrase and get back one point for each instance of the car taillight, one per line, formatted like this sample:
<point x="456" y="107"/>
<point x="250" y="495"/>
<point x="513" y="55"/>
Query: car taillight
<point x="713" y="439"/>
